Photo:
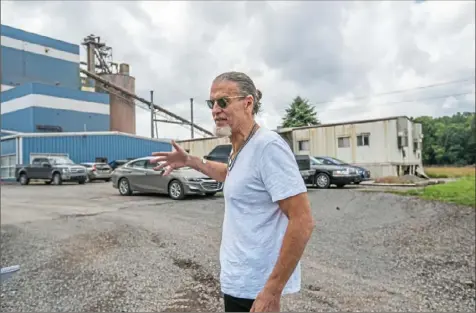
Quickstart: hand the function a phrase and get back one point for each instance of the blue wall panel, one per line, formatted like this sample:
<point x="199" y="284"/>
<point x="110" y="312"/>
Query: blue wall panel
<point x="22" y="35"/>
<point x="87" y="147"/>
<point x="8" y="146"/>
<point x="21" y="120"/>
<point x="13" y="66"/>
<point x="70" y="121"/>
<point x="19" y="67"/>
<point x="25" y="120"/>
<point x="53" y="91"/>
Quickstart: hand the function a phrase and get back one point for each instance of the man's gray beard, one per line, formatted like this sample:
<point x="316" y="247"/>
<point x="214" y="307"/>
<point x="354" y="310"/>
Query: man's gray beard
<point x="224" y="131"/>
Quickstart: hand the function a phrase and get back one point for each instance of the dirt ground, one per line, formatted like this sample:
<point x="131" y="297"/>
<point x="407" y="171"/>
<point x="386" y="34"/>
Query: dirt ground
<point x="85" y="248"/>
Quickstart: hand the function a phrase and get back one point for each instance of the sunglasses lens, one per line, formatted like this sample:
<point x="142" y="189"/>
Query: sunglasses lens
<point x="221" y="103"/>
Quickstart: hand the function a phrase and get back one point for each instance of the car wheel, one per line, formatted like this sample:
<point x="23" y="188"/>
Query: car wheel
<point x="176" y="190"/>
<point x="24" y="180"/>
<point x="124" y="187"/>
<point x="57" y="179"/>
<point x="82" y="182"/>
<point x="210" y="194"/>
<point x="322" y="181"/>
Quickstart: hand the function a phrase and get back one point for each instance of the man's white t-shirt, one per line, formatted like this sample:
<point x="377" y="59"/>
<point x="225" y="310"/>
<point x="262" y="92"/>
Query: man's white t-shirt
<point x="264" y="172"/>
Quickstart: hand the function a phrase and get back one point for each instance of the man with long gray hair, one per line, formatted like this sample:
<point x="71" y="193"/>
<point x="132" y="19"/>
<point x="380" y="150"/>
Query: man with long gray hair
<point x="267" y="221"/>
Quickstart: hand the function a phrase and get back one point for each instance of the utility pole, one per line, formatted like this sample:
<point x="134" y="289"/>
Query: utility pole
<point x="151" y="114"/>
<point x="191" y="115"/>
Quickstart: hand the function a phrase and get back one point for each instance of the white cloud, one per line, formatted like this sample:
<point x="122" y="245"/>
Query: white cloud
<point x="318" y="50"/>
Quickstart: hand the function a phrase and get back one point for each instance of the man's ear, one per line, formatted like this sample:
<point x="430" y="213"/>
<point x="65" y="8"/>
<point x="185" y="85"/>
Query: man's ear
<point x="249" y="101"/>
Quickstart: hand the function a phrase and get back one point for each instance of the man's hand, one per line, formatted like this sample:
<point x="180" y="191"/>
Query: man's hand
<point x="267" y="302"/>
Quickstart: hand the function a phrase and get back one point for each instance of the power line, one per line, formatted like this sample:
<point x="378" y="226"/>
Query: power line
<point x="397" y="91"/>
<point x="408" y="101"/>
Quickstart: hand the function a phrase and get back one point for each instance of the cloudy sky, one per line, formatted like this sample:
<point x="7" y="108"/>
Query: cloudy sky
<point x="342" y="56"/>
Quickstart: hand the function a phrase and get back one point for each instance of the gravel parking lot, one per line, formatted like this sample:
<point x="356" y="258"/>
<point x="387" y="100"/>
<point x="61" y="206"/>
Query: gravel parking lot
<point x="85" y="248"/>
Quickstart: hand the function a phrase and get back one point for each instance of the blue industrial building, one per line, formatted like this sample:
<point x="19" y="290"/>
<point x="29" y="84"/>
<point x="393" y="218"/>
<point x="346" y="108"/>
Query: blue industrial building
<point x="44" y="110"/>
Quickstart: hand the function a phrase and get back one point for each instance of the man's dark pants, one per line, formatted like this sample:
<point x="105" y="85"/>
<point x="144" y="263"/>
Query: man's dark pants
<point x="233" y="304"/>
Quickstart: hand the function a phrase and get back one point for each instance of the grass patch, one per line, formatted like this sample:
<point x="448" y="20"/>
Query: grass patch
<point x="461" y="192"/>
<point x="450" y="172"/>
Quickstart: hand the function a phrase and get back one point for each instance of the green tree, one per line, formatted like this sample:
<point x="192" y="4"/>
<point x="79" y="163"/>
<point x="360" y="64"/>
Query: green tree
<point x="300" y="113"/>
<point x="449" y="140"/>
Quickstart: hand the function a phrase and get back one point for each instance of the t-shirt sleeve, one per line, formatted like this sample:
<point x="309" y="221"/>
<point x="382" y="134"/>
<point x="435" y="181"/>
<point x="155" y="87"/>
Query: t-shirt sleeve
<point x="279" y="171"/>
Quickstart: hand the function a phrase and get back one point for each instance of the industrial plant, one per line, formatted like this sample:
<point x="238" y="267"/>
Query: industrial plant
<point x="52" y="104"/>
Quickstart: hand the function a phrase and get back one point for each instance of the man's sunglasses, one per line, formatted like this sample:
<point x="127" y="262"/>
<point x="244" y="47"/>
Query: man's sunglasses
<point x="222" y="102"/>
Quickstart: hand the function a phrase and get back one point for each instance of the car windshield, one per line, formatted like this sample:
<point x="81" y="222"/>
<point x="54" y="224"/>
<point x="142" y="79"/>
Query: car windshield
<point x="315" y="161"/>
<point x="337" y="161"/>
<point x="60" y="161"/>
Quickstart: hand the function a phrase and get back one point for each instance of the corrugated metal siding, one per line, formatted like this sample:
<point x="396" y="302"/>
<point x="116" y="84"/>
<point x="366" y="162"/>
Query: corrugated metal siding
<point x="70" y="121"/>
<point x="21" y="120"/>
<point x="8" y="146"/>
<point x="87" y="148"/>
<point x="19" y="67"/>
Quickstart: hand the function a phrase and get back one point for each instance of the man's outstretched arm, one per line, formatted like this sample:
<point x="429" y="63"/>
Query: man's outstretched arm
<point x="212" y="169"/>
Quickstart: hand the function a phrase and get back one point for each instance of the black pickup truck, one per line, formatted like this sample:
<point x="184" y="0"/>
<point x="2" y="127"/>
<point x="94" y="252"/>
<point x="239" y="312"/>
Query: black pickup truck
<point x="51" y="169"/>
<point x="220" y="153"/>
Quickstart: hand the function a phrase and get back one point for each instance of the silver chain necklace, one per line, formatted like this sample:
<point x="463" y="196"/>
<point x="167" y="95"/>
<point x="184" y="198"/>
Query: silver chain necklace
<point x="231" y="162"/>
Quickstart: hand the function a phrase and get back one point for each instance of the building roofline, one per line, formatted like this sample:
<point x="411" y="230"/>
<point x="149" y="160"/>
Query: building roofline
<point x="6" y="131"/>
<point x="53" y="91"/>
<point x="280" y="130"/>
<point x="19" y="34"/>
<point x="97" y="133"/>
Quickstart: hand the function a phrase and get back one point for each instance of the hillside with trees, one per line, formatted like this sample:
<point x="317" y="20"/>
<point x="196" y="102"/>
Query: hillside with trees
<point x="449" y="140"/>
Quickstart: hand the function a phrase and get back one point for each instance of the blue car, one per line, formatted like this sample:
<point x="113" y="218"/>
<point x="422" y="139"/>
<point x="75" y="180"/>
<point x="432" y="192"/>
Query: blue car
<point x="364" y="174"/>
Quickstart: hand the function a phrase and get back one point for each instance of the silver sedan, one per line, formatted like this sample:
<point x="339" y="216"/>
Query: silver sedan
<point x="139" y="176"/>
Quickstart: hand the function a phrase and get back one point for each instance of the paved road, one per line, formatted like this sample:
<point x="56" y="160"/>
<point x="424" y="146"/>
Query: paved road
<point x="85" y="248"/>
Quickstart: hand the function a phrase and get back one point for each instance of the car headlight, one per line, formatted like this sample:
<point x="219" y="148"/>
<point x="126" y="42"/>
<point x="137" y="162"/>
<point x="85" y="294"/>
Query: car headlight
<point x="65" y="170"/>
<point x="191" y="179"/>
<point x="341" y="172"/>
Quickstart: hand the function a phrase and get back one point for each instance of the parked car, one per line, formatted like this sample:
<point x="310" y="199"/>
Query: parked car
<point x="220" y="153"/>
<point x="304" y="165"/>
<point x="325" y="175"/>
<point x="116" y="163"/>
<point x="363" y="173"/>
<point x="97" y="171"/>
<point x="51" y="169"/>
<point x="139" y="175"/>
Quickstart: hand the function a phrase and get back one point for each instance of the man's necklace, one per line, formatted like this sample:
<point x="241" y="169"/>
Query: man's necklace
<point x="231" y="162"/>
